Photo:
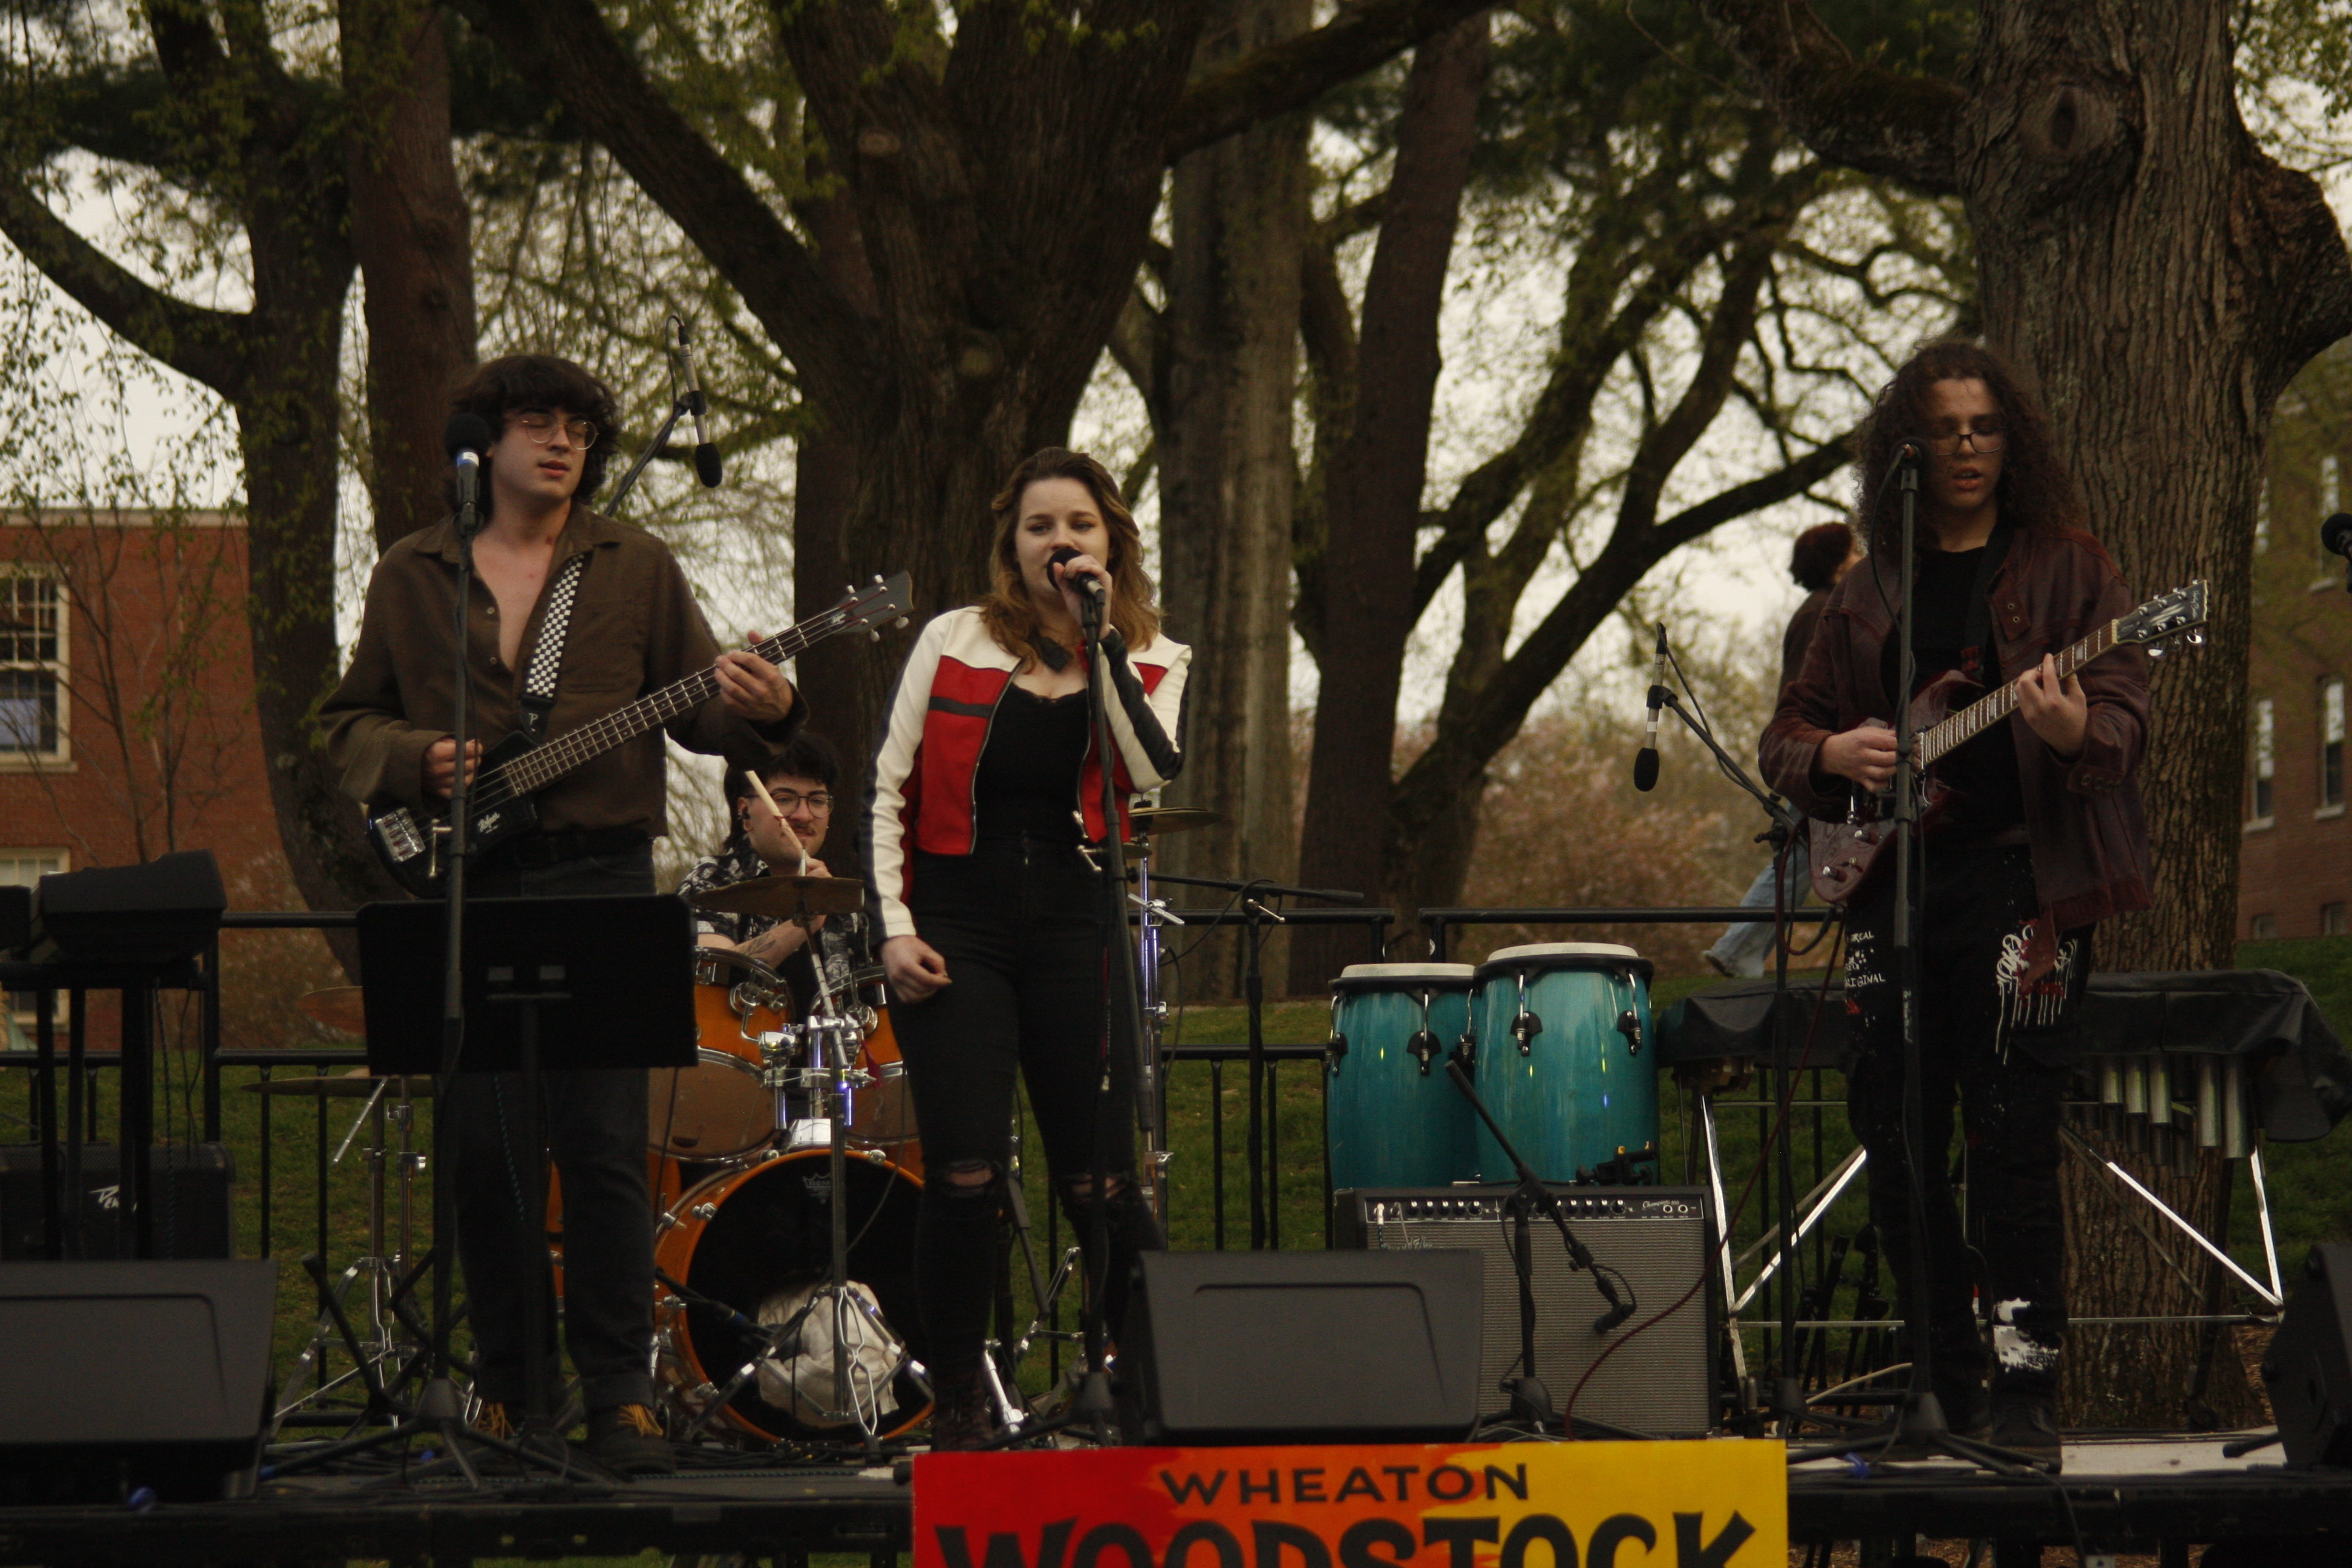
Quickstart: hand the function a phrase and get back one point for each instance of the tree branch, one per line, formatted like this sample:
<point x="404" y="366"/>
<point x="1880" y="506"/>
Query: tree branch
<point x="1850" y="112"/>
<point x="204" y="345"/>
<point x="1298" y="70"/>
<point x="566" y="49"/>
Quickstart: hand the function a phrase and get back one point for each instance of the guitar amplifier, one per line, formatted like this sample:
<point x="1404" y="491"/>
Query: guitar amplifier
<point x="1661" y="1384"/>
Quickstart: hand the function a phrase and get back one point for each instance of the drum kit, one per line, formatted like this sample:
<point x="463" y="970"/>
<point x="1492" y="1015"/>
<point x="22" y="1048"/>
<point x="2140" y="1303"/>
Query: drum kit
<point x="1553" y="1035"/>
<point x="784" y="1171"/>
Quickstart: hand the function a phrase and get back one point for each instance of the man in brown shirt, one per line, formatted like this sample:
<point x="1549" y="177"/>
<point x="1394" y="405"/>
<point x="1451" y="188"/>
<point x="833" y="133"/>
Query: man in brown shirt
<point x="634" y="628"/>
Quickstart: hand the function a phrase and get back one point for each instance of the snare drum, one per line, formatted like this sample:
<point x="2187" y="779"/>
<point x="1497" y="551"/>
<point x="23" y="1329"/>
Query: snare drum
<point x="1394" y="1118"/>
<point x="718" y="1108"/>
<point x="1565" y="1061"/>
<point x="746" y="1234"/>
<point x="882" y="1114"/>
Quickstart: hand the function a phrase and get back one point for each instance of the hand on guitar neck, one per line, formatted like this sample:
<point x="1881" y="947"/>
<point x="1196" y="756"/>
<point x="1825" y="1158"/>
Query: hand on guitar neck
<point x="2052" y="706"/>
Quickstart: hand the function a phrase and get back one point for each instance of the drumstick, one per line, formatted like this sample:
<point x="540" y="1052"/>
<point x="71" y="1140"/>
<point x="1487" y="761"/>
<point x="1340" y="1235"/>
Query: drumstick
<point x="770" y="801"/>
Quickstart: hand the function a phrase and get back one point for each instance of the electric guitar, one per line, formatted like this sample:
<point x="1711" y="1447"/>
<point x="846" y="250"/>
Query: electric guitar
<point x="413" y="845"/>
<point x="1845" y="854"/>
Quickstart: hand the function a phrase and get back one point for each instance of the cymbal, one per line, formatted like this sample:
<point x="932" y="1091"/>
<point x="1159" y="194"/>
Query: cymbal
<point x="353" y="1085"/>
<point x="1173" y="818"/>
<point x="338" y="1006"/>
<point x="786" y="898"/>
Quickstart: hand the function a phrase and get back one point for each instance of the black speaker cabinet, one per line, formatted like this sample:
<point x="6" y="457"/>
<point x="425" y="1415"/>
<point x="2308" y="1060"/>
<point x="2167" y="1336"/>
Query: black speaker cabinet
<point x="2305" y="1371"/>
<point x="119" y="1376"/>
<point x="1657" y="1237"/>
<point x="153" y="912"/>
<point x="1301" y="1347"/>
<point x="192" y="1204"/>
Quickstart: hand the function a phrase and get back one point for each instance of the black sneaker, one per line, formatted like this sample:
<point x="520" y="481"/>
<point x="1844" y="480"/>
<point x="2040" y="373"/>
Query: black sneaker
<point x="2024" y="1427"/>
<point x="628" y="1438"/>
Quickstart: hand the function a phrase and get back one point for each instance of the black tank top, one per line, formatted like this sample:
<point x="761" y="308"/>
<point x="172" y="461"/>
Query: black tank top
<point x="1027" y="782"/>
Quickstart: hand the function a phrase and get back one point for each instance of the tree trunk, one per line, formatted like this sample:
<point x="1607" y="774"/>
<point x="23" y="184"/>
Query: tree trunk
<point x="1228" y="376"/>
<point x="1374" y="492"/>
<point x="412" y="236"/>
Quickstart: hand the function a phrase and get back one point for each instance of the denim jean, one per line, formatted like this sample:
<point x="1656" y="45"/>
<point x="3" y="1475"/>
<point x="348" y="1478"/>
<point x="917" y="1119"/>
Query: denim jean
<point x="1741" y="949"/>
<point x="594" y="1125"/>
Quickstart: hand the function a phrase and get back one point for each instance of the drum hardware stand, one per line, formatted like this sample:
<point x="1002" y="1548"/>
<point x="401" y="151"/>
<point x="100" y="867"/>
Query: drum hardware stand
<point x="1155" y="1023"/>
<point x="1530" y="1401"/>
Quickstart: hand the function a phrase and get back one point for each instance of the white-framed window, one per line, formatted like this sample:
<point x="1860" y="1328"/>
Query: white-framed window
<point x="25" y="868"/>
<point x="2262" y="928"/>
<point x="34" y="624"/>
<point x="2333" y="921"/>
<point x="2264" y="797"/>
<point x="2262" y="518"/>
<point x="2331" y="485"/>
<point x="2331" y="743"/>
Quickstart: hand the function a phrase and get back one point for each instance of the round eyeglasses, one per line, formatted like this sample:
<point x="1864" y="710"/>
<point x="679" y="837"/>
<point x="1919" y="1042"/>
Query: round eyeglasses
<point x="539" y="426"/>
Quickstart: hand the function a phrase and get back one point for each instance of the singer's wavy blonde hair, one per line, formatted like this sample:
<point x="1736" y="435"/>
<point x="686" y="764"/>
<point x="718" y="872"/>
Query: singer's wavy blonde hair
<point x="1009" y="613"/>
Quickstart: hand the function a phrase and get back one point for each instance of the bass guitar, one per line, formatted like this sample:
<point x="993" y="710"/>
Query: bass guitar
<point x="413" y="845"/>
<point x="1845" y="855"/>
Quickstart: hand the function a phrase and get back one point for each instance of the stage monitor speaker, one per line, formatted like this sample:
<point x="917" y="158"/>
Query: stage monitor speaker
<point x="192" y="1206"/>
<point x="1657" y="1237"/>
<point x="156" y="912"/>
<point x="1301" y="1347"/>
<point x="116" y="1377"/>
<point x="2306" y="1372"/>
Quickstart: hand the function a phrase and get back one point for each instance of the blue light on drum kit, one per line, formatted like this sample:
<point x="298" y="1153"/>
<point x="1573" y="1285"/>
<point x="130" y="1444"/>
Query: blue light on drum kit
<point x="1561" y="1031"/>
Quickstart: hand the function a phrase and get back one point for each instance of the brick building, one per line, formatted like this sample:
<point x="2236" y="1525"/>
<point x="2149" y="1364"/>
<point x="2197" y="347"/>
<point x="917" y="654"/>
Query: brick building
<point x="126" y="711"/>
<point x="2294" y="870"/>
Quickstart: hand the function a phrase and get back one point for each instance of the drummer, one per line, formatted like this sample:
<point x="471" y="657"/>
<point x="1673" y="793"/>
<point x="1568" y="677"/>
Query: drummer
<point x="774" y="837"/>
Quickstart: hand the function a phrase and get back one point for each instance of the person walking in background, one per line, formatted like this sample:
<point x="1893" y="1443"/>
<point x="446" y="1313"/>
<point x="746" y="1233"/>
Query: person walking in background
<point x="1819" y="560"/>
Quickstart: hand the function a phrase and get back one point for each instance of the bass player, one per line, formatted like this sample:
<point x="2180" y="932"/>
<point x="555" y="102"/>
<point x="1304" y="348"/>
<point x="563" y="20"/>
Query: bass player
<point x="634" y="627"/>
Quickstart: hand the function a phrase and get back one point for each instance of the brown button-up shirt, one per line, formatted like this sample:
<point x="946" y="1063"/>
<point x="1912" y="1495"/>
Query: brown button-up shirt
<point x="634" y="629"/>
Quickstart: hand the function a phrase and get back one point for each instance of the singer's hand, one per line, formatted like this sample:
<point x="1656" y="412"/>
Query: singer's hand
<point x="1865" y="753"/>
<point x="753" y="687"/>
<point x="441" y="765"/>
<point x="1065" y="572"/>
<point x="914" y="967"/>
<point x="2057" y="712"/>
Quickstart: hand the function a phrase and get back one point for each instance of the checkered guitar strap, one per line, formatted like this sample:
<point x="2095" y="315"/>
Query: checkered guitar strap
<point x="547" y="653"/>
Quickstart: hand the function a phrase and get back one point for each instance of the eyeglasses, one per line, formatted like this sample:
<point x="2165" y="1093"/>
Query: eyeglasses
<point x="819" y="803"/>
<point x="1977" y="440"/>
<point x="541" y="427"/>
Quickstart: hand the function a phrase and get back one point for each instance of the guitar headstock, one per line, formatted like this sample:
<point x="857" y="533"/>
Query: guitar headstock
<point x="884" y="599"/>
<point x="2179" y="616"/>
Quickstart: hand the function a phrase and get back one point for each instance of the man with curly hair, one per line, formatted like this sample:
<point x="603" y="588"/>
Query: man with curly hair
<point x="634" y="628"/>
<point x="2040" y="838"/>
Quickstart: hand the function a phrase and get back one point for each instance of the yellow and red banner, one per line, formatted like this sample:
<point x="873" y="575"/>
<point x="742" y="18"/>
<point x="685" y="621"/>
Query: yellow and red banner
<point x="1702" y="1504"/>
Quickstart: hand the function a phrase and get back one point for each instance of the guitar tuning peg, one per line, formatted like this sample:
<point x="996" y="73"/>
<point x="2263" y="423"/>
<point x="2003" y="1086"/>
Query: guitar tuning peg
<point x="877" y="579"/>
<point x="849" y="588"/>
<point x="2196" y="640"/>
<point x="900" y="623"/>
<point x="2156" y="652"/>
<point x="875" y="635"/>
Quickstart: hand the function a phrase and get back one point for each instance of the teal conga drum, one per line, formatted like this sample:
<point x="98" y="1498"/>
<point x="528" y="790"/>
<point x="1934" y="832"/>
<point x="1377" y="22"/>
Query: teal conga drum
<point x="1565" y="1062"/>
<point x="1393" y="1117"/>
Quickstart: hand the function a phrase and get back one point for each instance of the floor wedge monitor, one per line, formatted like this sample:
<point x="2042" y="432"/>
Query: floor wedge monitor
<point x="1660" y="1383"/>
<point x="1302" y="1347"/>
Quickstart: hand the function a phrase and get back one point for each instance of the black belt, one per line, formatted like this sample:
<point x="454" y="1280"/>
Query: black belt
<point x="530" y="851"/>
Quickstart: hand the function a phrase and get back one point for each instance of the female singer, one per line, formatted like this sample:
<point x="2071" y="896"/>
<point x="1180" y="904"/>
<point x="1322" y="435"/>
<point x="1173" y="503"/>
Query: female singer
<point x="986" y="788"/>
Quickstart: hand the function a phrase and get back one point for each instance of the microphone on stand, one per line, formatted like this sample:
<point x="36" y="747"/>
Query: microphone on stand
<point x="1090" y="584"/>
<point x="707" y="465"/>
<point x="1645" y="760"/>
<point x="2335" y="538"/>
<point x="465" y="437"/>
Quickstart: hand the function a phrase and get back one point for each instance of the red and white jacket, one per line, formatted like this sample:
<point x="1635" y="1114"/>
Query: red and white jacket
<point x="940" y="714"/>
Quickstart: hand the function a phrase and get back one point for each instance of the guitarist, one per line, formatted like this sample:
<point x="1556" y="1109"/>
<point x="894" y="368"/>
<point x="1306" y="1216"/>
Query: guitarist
<point x="2042" y="838"/>
<point x="634" y="628"/>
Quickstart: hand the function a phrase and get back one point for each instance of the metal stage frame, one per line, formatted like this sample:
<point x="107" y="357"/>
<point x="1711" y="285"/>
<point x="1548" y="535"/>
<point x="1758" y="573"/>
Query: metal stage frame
<point x="2156" y="1494"/>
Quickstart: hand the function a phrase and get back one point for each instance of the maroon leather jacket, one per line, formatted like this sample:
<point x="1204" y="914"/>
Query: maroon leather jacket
<point x="2082" y="818"/>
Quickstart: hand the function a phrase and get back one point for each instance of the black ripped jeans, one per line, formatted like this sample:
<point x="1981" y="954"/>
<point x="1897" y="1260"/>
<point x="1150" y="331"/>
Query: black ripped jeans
<point x="1978" y="1026"/>
<point x="1018" y="923"/>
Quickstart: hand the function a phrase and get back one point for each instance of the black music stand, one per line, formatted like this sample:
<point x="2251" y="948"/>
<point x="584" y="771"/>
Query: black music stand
<point x="609" y="980"/>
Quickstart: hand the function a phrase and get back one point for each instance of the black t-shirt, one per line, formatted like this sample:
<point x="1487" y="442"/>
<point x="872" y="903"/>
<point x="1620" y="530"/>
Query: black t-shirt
<point x="1027" y="782"/>
<point x="1981" y="771"/>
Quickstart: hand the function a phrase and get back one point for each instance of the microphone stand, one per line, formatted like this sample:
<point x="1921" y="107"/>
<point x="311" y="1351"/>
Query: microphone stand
<point x="1122" y="1028"/>
<point x="682" y="405"/>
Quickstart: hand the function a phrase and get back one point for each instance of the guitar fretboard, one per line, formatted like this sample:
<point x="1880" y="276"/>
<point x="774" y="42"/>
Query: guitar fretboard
<point x="1981" y="714"/>
<point x="541" y="766"/>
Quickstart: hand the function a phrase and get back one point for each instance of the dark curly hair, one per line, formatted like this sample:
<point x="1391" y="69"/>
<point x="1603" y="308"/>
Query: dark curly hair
<point x="1820" y="551"/>
<point x="807" y="756"/>
<point x="2035" y="490"/>
<point x="516" y="382"/>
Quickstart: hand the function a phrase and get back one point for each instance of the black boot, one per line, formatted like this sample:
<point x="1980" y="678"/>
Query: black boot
<point x="963" y="1416"/>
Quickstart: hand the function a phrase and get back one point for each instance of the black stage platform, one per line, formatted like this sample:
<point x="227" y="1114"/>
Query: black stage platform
<point x="2131" y="1494"/>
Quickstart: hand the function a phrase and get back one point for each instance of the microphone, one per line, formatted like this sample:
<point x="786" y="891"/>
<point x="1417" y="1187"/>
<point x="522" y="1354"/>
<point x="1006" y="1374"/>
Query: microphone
<point x="2335" y="535"/>
<point x="465" y="437"/>
<point x="707" y="466"/>
<point x="1089" y="586"/>
<point x="1645" y="760"/>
